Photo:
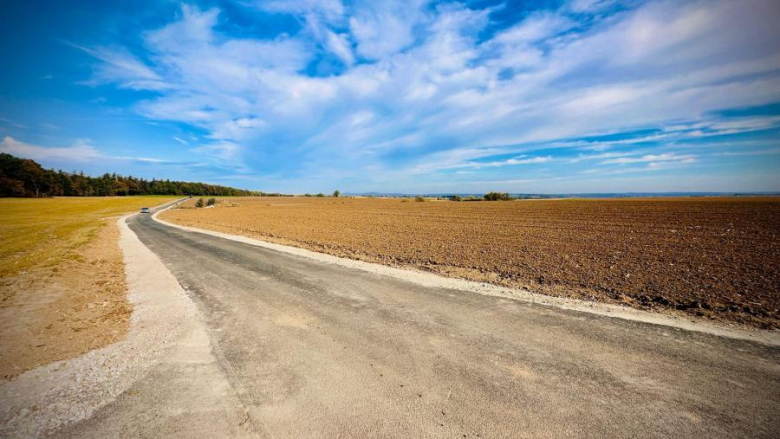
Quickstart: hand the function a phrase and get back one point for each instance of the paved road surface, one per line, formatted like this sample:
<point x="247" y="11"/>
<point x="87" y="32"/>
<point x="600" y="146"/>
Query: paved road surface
<point x="315" y="350"/>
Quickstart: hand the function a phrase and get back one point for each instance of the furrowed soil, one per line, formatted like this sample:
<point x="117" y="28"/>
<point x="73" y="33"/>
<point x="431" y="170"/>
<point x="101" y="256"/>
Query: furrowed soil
<point x="62" y="279"/>
<point x="713" y="258"/>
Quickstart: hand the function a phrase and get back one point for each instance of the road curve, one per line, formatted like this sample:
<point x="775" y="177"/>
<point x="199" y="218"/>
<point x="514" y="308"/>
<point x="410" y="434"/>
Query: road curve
<point x="317" y="350"/>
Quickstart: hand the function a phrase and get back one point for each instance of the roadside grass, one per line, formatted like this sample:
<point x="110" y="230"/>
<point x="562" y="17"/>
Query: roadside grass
<point x="38" y="233"/>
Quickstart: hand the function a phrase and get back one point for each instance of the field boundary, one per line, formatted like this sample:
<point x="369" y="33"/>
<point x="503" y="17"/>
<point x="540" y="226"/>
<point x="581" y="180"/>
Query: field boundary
<point x="432" y="280"/>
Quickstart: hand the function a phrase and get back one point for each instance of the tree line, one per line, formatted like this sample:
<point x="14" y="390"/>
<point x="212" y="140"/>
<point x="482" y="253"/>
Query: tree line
<point x="26" y="178"/>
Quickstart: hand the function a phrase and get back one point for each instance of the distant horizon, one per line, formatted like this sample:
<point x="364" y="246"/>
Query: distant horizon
<point x="417" y="96"/>
<point x="612" y="194"/>
<point x="582" y="194"/>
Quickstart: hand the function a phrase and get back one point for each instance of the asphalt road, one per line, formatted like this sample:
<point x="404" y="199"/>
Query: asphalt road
<point x="311" y="349"/>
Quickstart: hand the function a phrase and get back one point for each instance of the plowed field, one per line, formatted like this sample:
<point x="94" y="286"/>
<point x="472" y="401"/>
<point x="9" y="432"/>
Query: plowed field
<point x="709" y="257"/>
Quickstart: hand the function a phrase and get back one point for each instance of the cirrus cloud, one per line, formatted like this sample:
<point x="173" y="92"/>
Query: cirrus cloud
<point x="395" y="88"/>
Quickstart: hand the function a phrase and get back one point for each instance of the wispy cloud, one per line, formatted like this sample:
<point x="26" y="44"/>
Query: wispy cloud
<point x="120" y="67"/>
<point x="770" y="151"/>
<point x="519" y="160"/>
<point x="80" y="151"/>
<point x="652" y="158"/>
<point x="11" y="123"/>
<point x="376" y="91"/>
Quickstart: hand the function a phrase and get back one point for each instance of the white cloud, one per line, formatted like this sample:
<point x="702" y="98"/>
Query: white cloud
<point x="339" y="45"/>
<point x="12" y="123"/>
<point x="520" y="160"/>
<point x="329" y="10"/>
<point x="538" y="26"/>
<point x="428" y="78"/>
<point x="221" y="150"/>
<point x="770" y="151"/>
<point x="79" y="154"/>
<point x="192" y="31"/>
<point x="589" y="5"/>
<point x="382" y="29"/>
<point x="80" y="151"/>
<point x="602" y="156"/>
<point x="653" y="159"/>
<point x="121" y="67"/>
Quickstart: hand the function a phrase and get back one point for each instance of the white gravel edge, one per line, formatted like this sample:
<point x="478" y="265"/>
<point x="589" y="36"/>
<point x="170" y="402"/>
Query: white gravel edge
<point x="436" y="281"/>
<point x="50" y="397"/>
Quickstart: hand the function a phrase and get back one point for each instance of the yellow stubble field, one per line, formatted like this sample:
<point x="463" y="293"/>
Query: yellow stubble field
<point x="62" y="285"/>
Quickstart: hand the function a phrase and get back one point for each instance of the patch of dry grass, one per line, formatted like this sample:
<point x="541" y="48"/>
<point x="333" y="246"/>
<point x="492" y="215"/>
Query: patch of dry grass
<point x="62" y="280"/>
<point x="42" y="232"/>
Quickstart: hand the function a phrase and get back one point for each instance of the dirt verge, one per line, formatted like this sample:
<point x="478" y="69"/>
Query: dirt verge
<point x="47" y="398"/>
<point x="64" y="311"/>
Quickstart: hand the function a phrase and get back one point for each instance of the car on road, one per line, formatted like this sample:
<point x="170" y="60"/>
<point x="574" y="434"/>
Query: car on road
<point x="145" y="210"/>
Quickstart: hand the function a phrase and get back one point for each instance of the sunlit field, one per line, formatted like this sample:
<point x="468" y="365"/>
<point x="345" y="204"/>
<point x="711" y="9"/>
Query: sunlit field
<point x="41" y="232"/>
<point x="706" y="257"/>
<point x="62" y="280"/>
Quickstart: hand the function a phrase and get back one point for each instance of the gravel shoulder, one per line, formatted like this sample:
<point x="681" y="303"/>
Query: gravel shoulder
<point x="62" y="278"/>
<point x="164" y="332"/>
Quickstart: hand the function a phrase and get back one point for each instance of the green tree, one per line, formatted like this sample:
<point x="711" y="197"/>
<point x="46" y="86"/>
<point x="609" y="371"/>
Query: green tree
<point x="32" y="175"/>
<point x="119" y="187"/>
<point x="497" y="196"/>
<point x="39" y="182"/>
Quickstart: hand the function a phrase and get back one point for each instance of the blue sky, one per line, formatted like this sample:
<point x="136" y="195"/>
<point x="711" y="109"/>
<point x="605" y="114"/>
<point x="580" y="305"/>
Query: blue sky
<point x="407" y="96"/>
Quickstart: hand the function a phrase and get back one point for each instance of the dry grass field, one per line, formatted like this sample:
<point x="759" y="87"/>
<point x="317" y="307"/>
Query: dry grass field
<point x="708" y="257"/>
<point x="62" y="286"/>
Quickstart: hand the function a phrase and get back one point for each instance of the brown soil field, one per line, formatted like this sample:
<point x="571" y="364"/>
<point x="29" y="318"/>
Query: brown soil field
<point x="713" y="258"/>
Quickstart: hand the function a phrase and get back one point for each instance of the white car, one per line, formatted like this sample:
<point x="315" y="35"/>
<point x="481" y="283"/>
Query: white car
<point x="145" y="210"/>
